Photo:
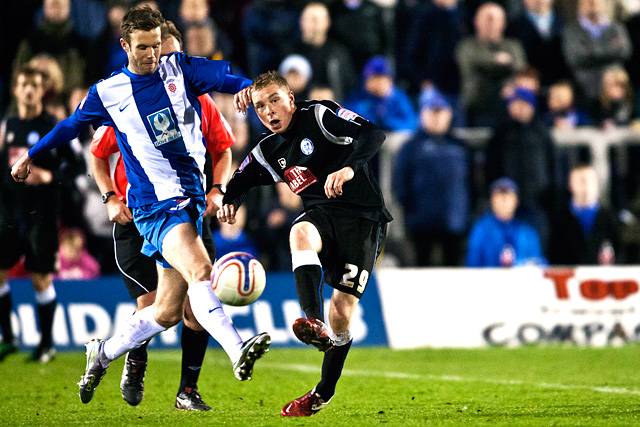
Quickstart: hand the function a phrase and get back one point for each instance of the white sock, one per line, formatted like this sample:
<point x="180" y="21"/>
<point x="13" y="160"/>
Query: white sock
<point x="342" y="338"/>
<point x="304" y="257"/>
<point x="4" y="289"/>
<point x="140" y="327"/>
<point x="208" y="311"/>
<point x="46" y="296"/>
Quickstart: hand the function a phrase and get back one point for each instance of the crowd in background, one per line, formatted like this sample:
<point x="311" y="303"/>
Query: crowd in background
<point x="520" y="68"/>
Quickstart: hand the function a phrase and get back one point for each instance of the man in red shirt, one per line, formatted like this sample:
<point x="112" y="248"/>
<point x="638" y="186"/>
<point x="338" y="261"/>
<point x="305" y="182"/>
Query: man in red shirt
<point x="139" y="271"/>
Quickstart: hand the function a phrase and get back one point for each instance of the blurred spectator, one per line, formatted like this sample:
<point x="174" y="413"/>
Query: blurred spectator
<point x="231" y="238"/>
<point x="486" y="62"/>
<point x="269" y="28"/>
<point x="527" y="78"/>
<point x="329" y="59"/>
<point x="561" y="110"/>
<point x="74" y="261"/>
<point x="381" y="101"/>
<point x="539" y="30"/>
<point x="584" y="232"/>
<point x="430" y="181"/>
<point x="107" y="55"/>
<point x="89" y="17"/>
<point x="321" y="92"/>
<point x="201" y="40"/>
<point x="522" y="149"/>
<point x="430" y="48"/>
<point x="296" y="69"/>
<point x="360" y="25"/>
<point x="633" y="63"/>
<point x="55" y="35"/>
<point x="616" y="99"/>
<point x="193" y="12"/>
<point x="238" y="123"/>
<point x="592" y="44"/>
<point x="53" y="82"/>
<point x="498" y="238"/>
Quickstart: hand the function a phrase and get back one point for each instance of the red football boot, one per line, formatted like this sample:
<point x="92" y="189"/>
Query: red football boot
<point x="304" y="406"/>
<point x="313" y="332"/>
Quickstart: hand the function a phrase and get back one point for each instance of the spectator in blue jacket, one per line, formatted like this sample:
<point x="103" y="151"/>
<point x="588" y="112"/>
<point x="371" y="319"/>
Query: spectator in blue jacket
<point x="380" y="101"/>
<point x="431" y="183"/>
<point x="498" y="238"/>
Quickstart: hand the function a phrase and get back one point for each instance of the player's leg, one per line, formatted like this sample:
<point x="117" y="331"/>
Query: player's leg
<point x="306" y="243"/>
<point x="40" y="256"/>
<point x="140" y="277"/>
<point x="47" y="302"/>
<point x="183" y="248"/>
<point x="141" y="327"/>
<point x="194" y="341"/>
<point x="7" y="345"/>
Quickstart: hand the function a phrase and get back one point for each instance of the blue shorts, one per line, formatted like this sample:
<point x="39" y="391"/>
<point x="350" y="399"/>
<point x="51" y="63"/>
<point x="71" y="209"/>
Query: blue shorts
<point x="156" y="219"/>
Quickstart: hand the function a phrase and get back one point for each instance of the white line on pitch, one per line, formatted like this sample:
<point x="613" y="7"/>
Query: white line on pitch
<point x="422" y="377"/>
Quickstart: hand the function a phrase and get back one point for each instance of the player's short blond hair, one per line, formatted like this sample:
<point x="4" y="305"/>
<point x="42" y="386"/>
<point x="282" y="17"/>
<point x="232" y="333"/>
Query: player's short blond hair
<point x="268" y="78"/>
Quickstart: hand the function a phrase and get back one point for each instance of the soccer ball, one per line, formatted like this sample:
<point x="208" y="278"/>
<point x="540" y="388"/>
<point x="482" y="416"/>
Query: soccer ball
<point x="238" y="278"/>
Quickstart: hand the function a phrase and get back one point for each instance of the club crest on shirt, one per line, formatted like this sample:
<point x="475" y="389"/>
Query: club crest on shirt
<point x="163" y="126"/>
<point x="306" y="146"/>
<point x="282" y="162"/>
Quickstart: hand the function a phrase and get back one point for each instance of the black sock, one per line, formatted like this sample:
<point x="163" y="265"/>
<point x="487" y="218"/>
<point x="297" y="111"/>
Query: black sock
<point x="332" y="365"/>
<point x="45" y="314"/>
<point x="309" y="287"/>
<point x="194" y="346"/>
<point x="139" y="353"/>
<point x="5" y="318"/>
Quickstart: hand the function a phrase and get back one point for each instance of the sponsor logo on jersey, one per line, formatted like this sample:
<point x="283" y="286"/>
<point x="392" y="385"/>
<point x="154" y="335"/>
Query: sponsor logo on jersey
<point x="298" y="178"/>
<point x="282" y="162"/>
<point x="346" y="114"/>
<point x="306" y="146"/>
<point x="164" y="128"/>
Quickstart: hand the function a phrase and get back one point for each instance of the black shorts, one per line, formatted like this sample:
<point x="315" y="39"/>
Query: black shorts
<point x="33" y="234"/>
<point x="350" y="247"/>
<point x="137" y="270"/>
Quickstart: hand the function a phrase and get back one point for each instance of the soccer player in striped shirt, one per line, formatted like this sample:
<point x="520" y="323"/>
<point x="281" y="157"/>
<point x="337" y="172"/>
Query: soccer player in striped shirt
<point x="152" y="106"/>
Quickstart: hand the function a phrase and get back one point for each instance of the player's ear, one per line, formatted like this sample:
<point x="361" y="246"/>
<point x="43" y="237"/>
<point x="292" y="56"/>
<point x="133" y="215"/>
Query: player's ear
<point x="124" y="45"/>
<point x="292" y="97"/>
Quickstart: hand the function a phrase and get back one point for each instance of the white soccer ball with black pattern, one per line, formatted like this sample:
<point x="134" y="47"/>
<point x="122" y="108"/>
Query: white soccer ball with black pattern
<point x="238" y="278"/>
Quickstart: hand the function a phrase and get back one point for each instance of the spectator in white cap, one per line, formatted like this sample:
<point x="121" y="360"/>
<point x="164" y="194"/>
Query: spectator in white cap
<point x="296" y="69"/>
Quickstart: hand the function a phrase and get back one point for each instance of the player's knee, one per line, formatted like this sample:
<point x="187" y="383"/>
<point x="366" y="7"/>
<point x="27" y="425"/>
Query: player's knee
<point x="168" y="316"/>
<point x="301" y="236"/>
<point x="200" y="272"/>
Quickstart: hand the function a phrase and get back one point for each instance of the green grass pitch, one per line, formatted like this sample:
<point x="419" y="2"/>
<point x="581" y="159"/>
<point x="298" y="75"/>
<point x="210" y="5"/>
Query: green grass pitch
<point x="526" y="386"/>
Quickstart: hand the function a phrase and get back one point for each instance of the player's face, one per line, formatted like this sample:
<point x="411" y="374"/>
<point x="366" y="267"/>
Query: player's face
<point x="170" y="45"/>
<point x="29" y="90"/>
<point x="275" y="106"/>
<point x="144" y="50"/>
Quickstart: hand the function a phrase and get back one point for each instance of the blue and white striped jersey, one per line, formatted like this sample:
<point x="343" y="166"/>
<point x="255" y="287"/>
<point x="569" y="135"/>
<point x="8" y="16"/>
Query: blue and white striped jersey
<point x="157" y="120"/>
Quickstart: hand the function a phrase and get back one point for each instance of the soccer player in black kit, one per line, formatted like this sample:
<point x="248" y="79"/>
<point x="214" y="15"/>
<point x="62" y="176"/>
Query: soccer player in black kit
<point x="28" y="218"/>
<point x="321" y="151"/>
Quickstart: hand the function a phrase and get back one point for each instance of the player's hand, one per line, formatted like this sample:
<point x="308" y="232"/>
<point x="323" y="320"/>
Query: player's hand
<point x="118" y="211"/>
<point x="227" y="213"/>
<point x="21" y="168"/>
<point x="242" y="100"/>
<point x="335" y="181"/>
<point x="214" y="201"/>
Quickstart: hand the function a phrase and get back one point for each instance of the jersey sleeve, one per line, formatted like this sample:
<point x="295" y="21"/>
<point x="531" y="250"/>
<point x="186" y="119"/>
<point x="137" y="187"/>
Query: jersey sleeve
<point x="206" y="75"/>
<point x="344" y="127"/>
<point x="215" y="129"/>
<point x="104" y="142"/>
<point x="253" y="172"/>
<point x="89" y="111"/>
